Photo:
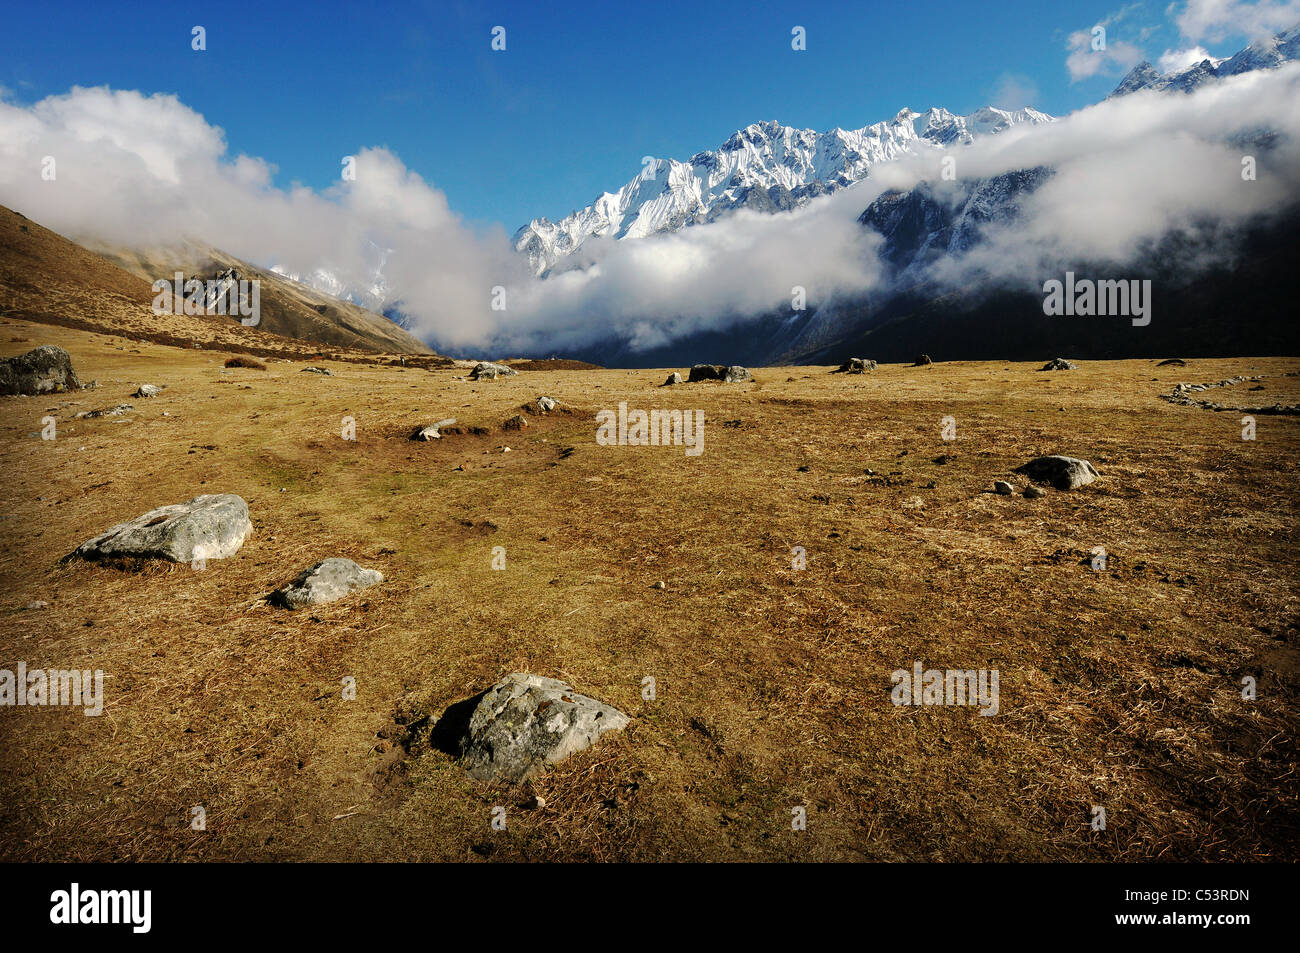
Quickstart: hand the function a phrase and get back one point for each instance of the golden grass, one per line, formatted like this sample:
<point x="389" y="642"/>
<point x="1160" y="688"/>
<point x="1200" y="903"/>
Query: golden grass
<point x="1118" y="688"/>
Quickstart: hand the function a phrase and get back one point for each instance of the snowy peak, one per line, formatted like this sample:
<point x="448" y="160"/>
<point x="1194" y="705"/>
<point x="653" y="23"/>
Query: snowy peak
<point x="765" y="167"/>
<point x="1267" y="53"/>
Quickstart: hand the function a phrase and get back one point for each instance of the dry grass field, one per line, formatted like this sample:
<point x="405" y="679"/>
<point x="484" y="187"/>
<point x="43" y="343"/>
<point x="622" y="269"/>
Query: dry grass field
<point x="1119" y="688"/>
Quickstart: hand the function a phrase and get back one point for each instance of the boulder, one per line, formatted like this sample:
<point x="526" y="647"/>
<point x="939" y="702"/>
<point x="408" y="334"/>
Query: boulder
<point x="855" y="365"/>
<point x="1059" y="364"/>
<point x="147" y="390"/>
<point x="922" y="361"/>
<point x="212" y="526"/>
<point x="719" y="372"/>
<point x="486" y="370"/>
<point x="1064" y="473"/>
<point x="45" y="370"/>
<point x="673" y="378"/>
<point x="318" y="370"/>
<point x="1003" y="488"/>
<point x="1172" y="362"/>
<point x="525" y="722"/>
<point x="546" y="404"/>
<point x="328" y="580"/>
<point x="431" y="432"/>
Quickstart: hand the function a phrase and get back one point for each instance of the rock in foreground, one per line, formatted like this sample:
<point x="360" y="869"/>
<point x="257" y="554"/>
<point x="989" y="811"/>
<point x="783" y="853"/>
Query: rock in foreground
<point x="1064" y="473"/>
<point x="212" y="526"/>
<point x="1059" y="364"/>
<point x="728" y="374"/>
<point x="328" y="580"/>
<point x="855" y="365"/>
<point x="45" y="370"/>
<point x="486" y="370"/>
<point x="525" y="722"/>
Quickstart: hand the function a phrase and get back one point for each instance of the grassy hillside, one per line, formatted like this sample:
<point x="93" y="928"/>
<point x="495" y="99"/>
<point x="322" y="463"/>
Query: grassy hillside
<point x="1119" y="688"/>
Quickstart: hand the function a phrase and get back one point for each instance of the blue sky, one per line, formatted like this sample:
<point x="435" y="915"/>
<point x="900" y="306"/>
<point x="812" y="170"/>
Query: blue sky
<point x="582" y="91"/>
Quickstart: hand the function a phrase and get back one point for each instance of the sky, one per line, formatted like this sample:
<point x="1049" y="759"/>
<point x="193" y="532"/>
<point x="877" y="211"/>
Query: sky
<point x="582" y="90"/>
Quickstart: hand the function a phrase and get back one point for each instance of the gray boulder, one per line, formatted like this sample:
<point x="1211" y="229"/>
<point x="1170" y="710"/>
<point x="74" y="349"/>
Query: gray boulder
<point x="318" y="370"/>
<point x="45" y="370"/>
<point x="212" y="526"/>
<point x="922" y="360"/>
<point x="486" y="370"/>
<point x="719" y="372"/>
<point x="1059" y="364"/>
<point x="546" y="404"/>
<point x="147" y="390"/>
<point x="1064" y="473"/>
<point x="855" y="365"/>
<point x="673" y="378"/>
<point x="328" y="580"/>
<point x="117" y="411"/>
<point x="735" y="374"/>
<point x="525" y="722"/>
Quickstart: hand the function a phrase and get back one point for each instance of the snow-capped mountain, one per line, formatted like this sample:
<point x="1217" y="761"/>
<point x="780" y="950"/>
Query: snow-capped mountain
<point x="1267" y="53"/>
<point x="765" y="166"/>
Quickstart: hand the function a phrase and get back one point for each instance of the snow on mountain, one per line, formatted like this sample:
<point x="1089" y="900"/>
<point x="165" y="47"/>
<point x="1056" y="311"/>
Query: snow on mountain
<point x="1267" y="53"/>
<point x="765" y="167"/>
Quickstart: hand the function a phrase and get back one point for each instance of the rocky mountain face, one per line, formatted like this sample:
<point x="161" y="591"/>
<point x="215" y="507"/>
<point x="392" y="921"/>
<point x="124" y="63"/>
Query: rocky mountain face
<point x="1267" y="53"/>
<point x="765" y="167"/>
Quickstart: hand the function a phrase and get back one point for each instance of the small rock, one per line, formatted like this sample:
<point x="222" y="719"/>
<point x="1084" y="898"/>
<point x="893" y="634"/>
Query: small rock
<point x="37" y="604"/>
<point x="431" y="431"/>
<point x="673" y="378"/>
<point x="1064" y="473"/>
<point x="147" y="390"/>
<point x="1003" y="487"/>
<point x="1059" y="364"/>
<point x="546" y="404"/>
<point x="1034" y="492"/>
<point x="659" y="585"/>
<point x="328" y="580"/>
<point x="318" y="370"/>
<point x="517" y="422"/>
<point x="117" y="411"/>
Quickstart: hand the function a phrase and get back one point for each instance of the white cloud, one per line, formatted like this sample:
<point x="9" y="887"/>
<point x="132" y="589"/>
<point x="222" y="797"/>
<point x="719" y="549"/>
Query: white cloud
<point x="1214" y="20"/>
<point x="1084" y="62"/>
<point x="1175" y="61"/>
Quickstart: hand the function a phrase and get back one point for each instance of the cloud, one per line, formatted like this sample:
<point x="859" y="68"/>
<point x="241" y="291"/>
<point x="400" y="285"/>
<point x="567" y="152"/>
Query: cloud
<point x="1094" y="52"/>
<point x="1215" y="20"/>
<point x="1013" y="91"/>
<point x="1175" y="61"/>
<point x="144" y="171"/>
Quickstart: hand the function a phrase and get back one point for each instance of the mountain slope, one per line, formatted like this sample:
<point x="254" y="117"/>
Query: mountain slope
<point x="1267" y="53"/>
<point x="287" y="307"/>
<point x="765" y="166"/>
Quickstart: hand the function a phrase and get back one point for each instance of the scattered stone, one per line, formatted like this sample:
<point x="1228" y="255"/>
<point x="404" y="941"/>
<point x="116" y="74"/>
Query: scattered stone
<point x="37" y="604"/>
<point x="1059" y="364"/>
<point x="1064" y="473"/>
<point x="525" y="722"/>
<point x="1003" y="487"/>
<point x="45" y="370"/>
<point x="728" y="374"/>
<point x="536" y="803"/>
<point x="117" y="411"/>
<point x="855" y="365"/>
<point x="147" y="390"/>
<point x="922" y="360"/>
<point x="547" y="404"/>
<point x="328" y="580"/>
<point x="486" y="370"/>
<point x="431" y="432"/>
<point x="517" y="422"/>
<point x="660" y="585"/>
<point x="212" y="526"/>
<point x="1034" y="492"/>
<point x="673" y="378"/>
<point x="318" y="370"/>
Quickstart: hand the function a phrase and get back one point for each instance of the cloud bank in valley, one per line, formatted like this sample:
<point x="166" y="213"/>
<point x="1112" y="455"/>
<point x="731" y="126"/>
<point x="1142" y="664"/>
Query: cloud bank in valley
<point x="145" y="171"/>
